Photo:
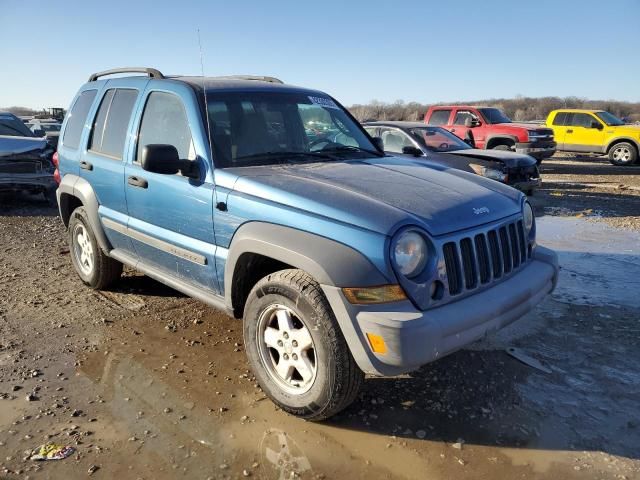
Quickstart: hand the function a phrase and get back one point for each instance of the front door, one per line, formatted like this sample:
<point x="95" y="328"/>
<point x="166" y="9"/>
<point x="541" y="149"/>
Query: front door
<point x="171" y="216"/>
<point x="584" y="134"/>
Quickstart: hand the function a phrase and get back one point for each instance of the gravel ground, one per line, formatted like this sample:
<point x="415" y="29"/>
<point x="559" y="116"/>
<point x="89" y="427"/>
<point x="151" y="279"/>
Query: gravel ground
<point x="146" y="383"/>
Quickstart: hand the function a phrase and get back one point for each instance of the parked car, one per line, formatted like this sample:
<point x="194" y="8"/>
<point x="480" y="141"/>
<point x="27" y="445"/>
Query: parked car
<point x="26" y="162"/>
<point x="339" y="259"/>
<point x="436" y="144"/>
<point x="49" y="129"/>
<point x="490" y="129"/>
<point x="595" y="131"/>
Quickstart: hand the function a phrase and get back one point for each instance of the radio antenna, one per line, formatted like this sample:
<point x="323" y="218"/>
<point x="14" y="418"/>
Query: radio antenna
<point x="204" y="90"/>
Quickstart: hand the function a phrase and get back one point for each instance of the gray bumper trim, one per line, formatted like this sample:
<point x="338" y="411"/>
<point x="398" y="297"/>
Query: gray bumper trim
<point x="414" y="337"/>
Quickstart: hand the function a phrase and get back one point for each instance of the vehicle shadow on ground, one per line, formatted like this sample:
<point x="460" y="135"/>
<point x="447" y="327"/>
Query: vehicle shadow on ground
<point x="575" y="198"/>
<point x="25" y="205"/>
<point x="137" y="283"/>
<point x="596" y="166"/>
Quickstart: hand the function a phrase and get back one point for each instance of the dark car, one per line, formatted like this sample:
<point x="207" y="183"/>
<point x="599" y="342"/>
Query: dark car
<point x="437" y="144"/>
<point x="26" y="161"/>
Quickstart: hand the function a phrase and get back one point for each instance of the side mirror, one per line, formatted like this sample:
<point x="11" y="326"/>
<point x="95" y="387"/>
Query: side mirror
<point x="411" y="150"/>
<point x="597" y="125"/>
<point x="164" y="159"/>
<point x="379" y="144"/>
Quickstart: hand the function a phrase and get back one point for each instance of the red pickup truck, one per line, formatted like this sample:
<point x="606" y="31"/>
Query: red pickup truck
<point x="490" y="128"/>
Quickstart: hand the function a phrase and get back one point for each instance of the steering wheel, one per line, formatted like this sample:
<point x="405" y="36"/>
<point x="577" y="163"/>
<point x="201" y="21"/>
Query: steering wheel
<point x="443" y="146"/>
<point x="320" y="141"/>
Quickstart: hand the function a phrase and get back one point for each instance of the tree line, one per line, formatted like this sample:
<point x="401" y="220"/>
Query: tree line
<point x="518" y="109"/>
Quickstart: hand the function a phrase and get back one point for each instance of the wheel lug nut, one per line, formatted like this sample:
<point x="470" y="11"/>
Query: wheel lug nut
<point x="285" y="335"/>
<point x="285" y="356"/>
<point x="294" y="343"/>
<point x="280" y="343"/>
<point x="294" y="356"/>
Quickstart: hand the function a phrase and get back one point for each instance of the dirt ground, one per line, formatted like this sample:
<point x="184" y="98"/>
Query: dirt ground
<point x="146" y="383"/>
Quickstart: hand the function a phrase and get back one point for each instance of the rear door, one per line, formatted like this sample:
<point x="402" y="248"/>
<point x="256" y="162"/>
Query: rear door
<point x="171" y="216"/>
<point x="559" y="126"/>
<point x="462" y="123"/>
<point x="102" y="163"/>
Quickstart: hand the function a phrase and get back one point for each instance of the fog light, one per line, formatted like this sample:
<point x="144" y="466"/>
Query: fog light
<point x="377" y="343"/>
<point x="372" y="295"/>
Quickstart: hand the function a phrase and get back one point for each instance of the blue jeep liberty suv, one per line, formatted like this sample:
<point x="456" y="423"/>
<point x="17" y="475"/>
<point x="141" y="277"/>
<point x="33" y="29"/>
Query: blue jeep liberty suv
<point x="272" y="203"/>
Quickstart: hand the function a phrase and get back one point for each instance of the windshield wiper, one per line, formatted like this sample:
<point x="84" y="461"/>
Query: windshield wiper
<point x="351" y="148"/>
<point x="284" y="156"/>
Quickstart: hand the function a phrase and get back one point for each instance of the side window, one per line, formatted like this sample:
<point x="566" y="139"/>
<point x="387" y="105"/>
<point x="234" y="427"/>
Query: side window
<point x="109" y="131"/>
<point x="582" y="120"/>
<point x="164" y="120"/>
<point x="560" y="119"/>
<point x="371" y="131"/>
<point x="463" y="117"/>
<point x="395" y="140"/>
<point x="77" y="118"/>
<point x="439" y="117"/>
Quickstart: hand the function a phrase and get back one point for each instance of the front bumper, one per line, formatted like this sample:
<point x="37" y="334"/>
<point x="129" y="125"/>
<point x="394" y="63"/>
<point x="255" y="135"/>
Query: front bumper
<point x="538" y="150"/>
<point x="414" y="338"/>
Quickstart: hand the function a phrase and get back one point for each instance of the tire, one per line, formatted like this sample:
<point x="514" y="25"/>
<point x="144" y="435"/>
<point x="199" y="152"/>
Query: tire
<point x="502" y="147"/>
<point x="314" y="382"/>
<point x="623" y="154"/>
<point x="94" y="268"/>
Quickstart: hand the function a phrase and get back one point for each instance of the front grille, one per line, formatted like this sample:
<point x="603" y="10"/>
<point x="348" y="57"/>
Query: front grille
<point x="523" y="174"/>
<point x="484" y="257"/>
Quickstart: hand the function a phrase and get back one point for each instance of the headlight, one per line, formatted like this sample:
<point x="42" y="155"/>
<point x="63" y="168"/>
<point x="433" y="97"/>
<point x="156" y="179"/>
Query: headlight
<point x="527" y="218"/>
<point x="492" y="173"/>
<point x="410" y="253"/>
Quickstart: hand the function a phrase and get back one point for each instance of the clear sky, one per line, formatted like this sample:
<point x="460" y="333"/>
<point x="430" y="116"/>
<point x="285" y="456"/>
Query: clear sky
<point x="423" y="51"/>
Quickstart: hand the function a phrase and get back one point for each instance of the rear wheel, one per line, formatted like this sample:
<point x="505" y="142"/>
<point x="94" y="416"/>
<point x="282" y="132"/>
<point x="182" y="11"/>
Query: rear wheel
<point x="296" y="349"/>
<point x="502" y="147"/>
<point x="623" y="154"/>
<point x="96" y="269"/>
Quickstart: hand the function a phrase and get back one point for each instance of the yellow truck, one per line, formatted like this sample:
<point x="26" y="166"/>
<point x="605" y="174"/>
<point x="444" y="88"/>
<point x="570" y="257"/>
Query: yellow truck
<point x="595" y="131"/>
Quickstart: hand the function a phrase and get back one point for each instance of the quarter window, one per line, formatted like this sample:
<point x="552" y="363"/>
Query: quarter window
<point x="109" y="131"/>
<point x="77" y="118"/>
<point x="440" y="117"/>
<point x="165" y="121"/>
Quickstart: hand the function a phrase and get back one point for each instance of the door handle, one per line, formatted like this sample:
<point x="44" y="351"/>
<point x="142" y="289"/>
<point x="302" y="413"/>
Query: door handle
<point x="137" y="182"/>
<point x="569" y="131"/>
<point x="86" y="165"/>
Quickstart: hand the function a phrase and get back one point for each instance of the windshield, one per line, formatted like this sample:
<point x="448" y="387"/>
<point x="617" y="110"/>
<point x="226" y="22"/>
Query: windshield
<point x="261" y="128"/>
<point x="13" y="126"/>
<point x="494" y="115"/>
<point x="438" y="139"/>
<point x="610" y="119"/>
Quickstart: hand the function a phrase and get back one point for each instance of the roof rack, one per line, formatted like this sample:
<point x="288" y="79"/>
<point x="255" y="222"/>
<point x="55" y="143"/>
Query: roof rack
<point x="152" y="72"/>
<point x="258" y="78"/>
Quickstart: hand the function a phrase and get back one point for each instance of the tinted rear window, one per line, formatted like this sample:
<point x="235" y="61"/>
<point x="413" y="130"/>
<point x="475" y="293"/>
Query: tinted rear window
<point x="439" y="117"/>
<point x="77" y="119"/>
<point x="560" y="118"/>
<point x="110" y="127"/>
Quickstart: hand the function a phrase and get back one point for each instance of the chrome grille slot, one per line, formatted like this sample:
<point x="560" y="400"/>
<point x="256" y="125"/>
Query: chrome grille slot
<point x="479" y="258"/>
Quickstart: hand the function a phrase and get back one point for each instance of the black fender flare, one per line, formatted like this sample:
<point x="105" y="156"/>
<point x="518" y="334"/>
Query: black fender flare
<point x="489" y="138"/>
<point x="327" y="261"/>
<point x="79" y="188"/>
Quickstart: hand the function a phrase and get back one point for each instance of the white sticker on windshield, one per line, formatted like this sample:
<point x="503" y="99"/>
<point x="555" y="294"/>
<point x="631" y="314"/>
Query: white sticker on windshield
<point x="324" y="102"/>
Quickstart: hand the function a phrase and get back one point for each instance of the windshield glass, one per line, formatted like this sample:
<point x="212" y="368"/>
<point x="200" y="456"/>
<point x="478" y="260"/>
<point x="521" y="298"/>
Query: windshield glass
<point x="258" y="128"/>
<point x="13" y="126"/>
<point x="438" y="139"/>
<point x="610" y="119"/>
<point x="494" y="115"/>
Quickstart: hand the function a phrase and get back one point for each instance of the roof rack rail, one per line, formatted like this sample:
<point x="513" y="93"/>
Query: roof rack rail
<point x="152" y="72"/>
<point x="258" y="78"/>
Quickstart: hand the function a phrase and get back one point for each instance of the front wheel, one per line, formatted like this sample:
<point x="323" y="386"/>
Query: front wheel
<point x="296" y="349"/>
<point x="623" y="154"/>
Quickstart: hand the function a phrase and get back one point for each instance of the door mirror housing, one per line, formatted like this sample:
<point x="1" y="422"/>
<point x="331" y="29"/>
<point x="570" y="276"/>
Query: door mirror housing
<point x="411" y="150"/>
<point x="164" y="159"/>
<point x="596" y="124"/>
<point x="379" y="144"/>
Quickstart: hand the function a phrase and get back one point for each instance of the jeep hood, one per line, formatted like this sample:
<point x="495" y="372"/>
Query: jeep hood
<point x="382" y="194"/>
